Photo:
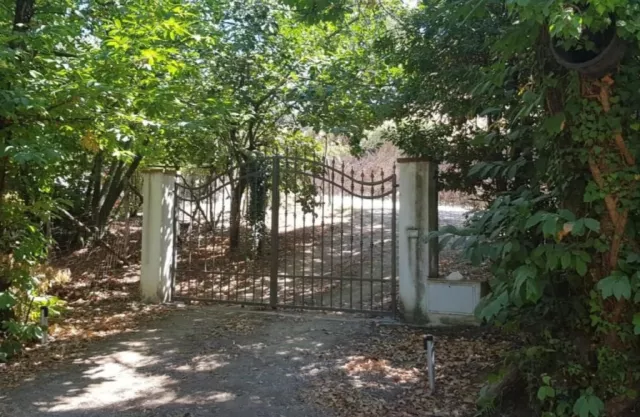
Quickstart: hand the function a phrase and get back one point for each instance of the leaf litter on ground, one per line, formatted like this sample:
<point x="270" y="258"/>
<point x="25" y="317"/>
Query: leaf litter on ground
<point x="102" y="299"/>
<point x="385" y="374"/>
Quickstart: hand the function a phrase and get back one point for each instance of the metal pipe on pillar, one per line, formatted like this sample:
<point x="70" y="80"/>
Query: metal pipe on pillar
<point x="418" y="217"/>
<point x="429" y="348"/>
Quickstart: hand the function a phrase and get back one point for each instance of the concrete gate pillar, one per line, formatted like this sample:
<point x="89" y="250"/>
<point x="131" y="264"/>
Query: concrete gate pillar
<point x="417" y="217"/>
<point x="157" y="234"/>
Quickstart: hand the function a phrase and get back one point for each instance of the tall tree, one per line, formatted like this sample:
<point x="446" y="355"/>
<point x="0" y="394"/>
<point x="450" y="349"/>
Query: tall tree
<point x="91" y="91"/>
<point x="272" y="74"/>
<point x="555" y="153"/>
<point x="84" y="86"/>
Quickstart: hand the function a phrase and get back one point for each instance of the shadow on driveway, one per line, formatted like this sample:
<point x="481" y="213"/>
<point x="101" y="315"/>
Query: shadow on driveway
<point x="205" y="361"/>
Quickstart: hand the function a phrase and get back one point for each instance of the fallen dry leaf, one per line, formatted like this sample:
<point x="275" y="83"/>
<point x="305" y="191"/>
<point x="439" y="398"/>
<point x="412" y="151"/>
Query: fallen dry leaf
<point x="385" y="375"/>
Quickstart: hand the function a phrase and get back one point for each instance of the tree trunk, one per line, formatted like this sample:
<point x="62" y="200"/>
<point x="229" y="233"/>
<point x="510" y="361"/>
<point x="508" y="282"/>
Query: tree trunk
<point x="5" y="314"/>
<point x="96" y="179"/>
<point x="115" y="190"/>
<point x="613" y="224"/>
<point x="235" y="214"/>
<point x="23" y="14"/>
<point x="113" y="176"/>
<point x="89" y="191"/>
<point x="4" y="166"/>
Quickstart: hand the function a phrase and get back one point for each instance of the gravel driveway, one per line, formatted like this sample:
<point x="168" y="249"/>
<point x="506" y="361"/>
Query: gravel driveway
<point x="204" y="361"/>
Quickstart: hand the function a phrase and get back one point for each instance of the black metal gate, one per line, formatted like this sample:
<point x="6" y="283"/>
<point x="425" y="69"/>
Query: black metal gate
<point x="287" y="232"/>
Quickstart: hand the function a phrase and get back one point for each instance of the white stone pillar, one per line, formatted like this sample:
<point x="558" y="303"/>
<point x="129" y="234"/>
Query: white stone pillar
<point x="157" y="234"/>
<point x="417" y="217"/>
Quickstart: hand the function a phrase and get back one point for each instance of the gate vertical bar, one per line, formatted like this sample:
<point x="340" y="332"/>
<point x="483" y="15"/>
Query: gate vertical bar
<point x="382" y="244"/>
<point x="275" y="212"/>
<point x="174" y="255"/>
<point x="394" y="242"/>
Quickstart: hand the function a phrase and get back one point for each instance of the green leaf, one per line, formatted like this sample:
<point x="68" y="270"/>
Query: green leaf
<point x="636" y="324"/>
<point x="507" y="247"/>
<point x="633" y="258"/>
<point x="622" y="289"/>
<point x="615" y="285"/>
<point x="582" y="255"/>
<point x="7" y="300"/>
<point x="495" y="305"/>
<point x="566" y="260"/>
<point x="533" y="290"/>
<point x="553" y="256"/>
<point x="490" y="110"/>
<point x="562" y="408"/>
<point x="578" y="228"/>
<point x="567" y="215"/>
<point x="549" y="227"/>
<point x="512" y="171"/>
<point x="444" y="241"/>
<point x="555" y="123"/>
<point x="545" y="392"/>
<point x="535" y="219"/>
<point x="581" y="267"/>
<point x="475" y="169"/>
<point x="592" y="224"/>
<point x="523" y="273"/>
<point x="526" y="275"/>
<point x="588" y="404"/>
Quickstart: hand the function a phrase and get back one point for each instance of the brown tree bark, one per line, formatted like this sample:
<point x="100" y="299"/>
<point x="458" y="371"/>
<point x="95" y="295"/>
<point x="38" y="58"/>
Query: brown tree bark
<point x="235" y="211"/>
<point x="613" y="224"/>
<point x="96" y="179"/>
<point x="115" y="191"/>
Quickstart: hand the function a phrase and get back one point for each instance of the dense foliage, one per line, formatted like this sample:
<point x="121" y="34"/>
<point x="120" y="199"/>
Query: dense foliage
<point x="554" y="154"/>
<point x="91" y="91"/>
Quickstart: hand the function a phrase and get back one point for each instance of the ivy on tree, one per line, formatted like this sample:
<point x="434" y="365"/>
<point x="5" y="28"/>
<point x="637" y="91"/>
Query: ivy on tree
<point x="553" y="153"/>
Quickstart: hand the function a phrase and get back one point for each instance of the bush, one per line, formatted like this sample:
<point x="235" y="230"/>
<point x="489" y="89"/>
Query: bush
<point x="557" y="156"/>
<point x="24" y="279"/>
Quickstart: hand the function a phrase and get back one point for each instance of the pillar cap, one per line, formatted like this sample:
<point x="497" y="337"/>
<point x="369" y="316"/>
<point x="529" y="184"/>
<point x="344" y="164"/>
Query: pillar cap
<point x="405" y="160"/>
<point x="165" y="170"/>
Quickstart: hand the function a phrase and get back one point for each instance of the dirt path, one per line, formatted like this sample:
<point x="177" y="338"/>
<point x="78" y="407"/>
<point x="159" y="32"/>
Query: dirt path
<point x="229" y="361"/>
<point x="196" y="362"/>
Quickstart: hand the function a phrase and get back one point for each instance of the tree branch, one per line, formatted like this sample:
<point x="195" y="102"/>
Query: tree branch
<point x="86" y="229"/>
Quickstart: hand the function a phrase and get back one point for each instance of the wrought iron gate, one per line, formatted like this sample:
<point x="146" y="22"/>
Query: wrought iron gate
<point x="287" y="232"/>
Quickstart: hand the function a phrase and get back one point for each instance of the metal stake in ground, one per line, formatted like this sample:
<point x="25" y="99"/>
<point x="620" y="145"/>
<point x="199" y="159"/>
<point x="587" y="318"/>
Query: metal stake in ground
<point x="431" y="360"/>
<point x="44" y="323"/>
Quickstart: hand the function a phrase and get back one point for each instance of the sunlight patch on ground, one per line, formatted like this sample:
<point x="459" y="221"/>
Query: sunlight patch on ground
<point x="204" y="363"/>
<point x="115" y="379"/>
<point x="122" y="377"/>
<point x="216" y="397"/>
<point x="358" y="366"/>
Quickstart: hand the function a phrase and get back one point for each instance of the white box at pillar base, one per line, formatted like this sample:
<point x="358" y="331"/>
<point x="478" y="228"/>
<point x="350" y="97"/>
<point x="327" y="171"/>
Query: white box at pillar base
<point x="453" y="302"/>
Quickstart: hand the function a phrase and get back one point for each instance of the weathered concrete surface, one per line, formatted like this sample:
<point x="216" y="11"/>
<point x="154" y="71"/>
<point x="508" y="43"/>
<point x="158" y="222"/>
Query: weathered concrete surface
<point x="417" y="217"/>
<point x="157" y="235"/>
<point x="197" y="362"/>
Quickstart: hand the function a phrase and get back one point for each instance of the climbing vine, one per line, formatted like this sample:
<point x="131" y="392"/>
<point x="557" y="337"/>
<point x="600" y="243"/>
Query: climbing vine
<point x="556" y="144"/>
